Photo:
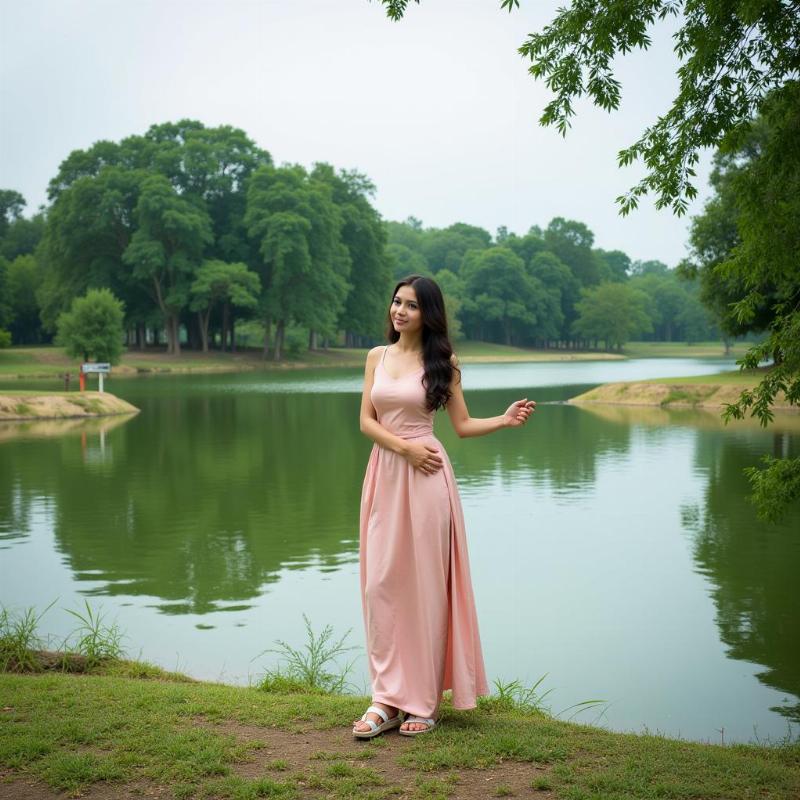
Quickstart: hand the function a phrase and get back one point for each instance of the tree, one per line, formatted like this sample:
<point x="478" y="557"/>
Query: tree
<point x="92" y="328"/>
<point x="614" y="265"/>
<point x="445" y="248"/>
<point x="613" y="312"/>
<point x="364" y="235"/>
<point x="733" y="54"/>
<point x="572" y="242"/>
<point x="167" y="248"/>
<point x="218" y="282"/>
<point x="296" y="227"/>
<point x="22" y="280"/>
<point x="11" y="205"/>
<point x="747" y="242"/>
<point x="500" y="298"/>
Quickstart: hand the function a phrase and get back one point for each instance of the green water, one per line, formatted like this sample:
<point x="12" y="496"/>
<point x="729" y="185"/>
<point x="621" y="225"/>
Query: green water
<point x="610" y="548"/>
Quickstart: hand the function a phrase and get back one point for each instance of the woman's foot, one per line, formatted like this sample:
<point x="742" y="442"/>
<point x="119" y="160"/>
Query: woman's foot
<point x="414" y="724"/>
<point x="361" y="725"/>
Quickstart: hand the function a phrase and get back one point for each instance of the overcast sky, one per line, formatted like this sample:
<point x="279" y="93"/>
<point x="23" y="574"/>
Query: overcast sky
<point x="437" y="109"/>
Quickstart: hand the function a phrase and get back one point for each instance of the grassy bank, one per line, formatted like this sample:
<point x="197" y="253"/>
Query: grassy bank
<point x="683" y="350"/>
<point x="129" y="728"/>
<point x="51" y="362"/>
<point x="96" y="722"/>
<point x="30" y="405"/>
<point x="697" y="391"/>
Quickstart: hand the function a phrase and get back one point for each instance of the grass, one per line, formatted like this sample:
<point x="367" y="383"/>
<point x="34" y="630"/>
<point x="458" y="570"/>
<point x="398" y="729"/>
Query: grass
<point x="136" y="727"/>
<point x="749" y="377"/>
<point x="307" y="669"/>
<point x="708" y="391"/>
<point x="683" y="350"/>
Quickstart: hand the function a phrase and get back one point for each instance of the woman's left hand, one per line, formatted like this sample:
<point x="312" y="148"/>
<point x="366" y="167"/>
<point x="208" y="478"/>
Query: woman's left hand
<point x="518" y="412"/>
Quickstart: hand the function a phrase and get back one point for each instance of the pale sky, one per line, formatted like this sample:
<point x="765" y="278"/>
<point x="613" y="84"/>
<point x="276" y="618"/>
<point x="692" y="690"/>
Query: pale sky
<point x="437" y="109"/>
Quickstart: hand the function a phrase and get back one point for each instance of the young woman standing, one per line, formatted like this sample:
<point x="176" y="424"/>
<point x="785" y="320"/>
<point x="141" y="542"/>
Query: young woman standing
<point x="416" y="591"/>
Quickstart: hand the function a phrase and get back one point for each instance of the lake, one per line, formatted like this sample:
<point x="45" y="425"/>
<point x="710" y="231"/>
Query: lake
<point x="612" y="549"/>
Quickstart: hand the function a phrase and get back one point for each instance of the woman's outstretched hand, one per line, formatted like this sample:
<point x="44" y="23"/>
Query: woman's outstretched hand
<point x="518" y="412"/>
<point x="424" y="457"/>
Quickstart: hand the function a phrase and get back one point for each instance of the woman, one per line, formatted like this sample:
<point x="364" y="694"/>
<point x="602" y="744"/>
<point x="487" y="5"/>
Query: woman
<point x="417" y="599"/>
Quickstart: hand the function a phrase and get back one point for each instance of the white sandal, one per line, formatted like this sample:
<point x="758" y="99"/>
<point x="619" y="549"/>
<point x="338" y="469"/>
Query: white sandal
<point x="431" y="723"/>
<point x="386" y="725"/>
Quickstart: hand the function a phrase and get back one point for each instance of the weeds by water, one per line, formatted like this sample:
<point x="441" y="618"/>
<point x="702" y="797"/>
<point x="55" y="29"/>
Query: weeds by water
<point x="96" y="641"/>
<point x="307" y="670"/>
<point x="22" y="648"/>
<point x="19" y="640"/>
<point x="515" y="696"/>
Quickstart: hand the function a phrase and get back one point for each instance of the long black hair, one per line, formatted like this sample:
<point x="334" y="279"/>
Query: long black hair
<point x="436" y="347"/>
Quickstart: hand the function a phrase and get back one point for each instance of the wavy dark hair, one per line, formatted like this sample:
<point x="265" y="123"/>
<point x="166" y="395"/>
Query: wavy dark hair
<point x="436" y="347"/>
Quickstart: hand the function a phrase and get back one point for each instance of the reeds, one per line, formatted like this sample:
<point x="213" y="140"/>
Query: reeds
<point x="22" y="649"/>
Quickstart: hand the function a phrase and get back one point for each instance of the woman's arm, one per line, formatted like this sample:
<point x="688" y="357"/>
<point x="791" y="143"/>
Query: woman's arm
<point x="465" y="425"/>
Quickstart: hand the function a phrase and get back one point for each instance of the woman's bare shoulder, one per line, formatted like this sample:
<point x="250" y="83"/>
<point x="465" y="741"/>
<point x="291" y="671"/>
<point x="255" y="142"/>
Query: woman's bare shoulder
<point x="373" y="355"/>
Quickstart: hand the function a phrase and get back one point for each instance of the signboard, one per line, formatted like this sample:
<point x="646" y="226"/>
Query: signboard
<point x="100" y="367"/>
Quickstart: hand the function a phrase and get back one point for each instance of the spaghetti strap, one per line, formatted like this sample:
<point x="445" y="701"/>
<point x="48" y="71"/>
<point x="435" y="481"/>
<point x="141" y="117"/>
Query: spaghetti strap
<point x="385" y="348"/>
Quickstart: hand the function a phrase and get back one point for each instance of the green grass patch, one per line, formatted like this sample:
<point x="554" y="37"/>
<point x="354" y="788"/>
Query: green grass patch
<point x="733" y="378"/>
<point x="683" y="350"/>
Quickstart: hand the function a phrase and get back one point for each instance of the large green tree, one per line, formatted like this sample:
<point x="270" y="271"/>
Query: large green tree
<point x="219" y="283"/>
<point x="364" y="235"/>
<point x="304" y="266"/>
<point x="746" y="247"/>
<point x="613" y="312"/>
<point x="167" y="248"/>
<point x="501" y="299"/>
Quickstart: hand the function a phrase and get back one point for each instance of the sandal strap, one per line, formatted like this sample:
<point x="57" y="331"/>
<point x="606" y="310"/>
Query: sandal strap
<point x="428" y="721"/>
<point x="372" y="725"/>
<point x="379" y="711"/>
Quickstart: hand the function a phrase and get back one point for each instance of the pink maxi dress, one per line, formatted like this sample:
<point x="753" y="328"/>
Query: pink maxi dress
<point x="416" y="592"/>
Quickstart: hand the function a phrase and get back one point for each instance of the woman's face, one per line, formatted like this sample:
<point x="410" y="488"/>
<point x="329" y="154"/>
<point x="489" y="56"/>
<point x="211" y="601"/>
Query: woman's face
<point x="405" y="313"/>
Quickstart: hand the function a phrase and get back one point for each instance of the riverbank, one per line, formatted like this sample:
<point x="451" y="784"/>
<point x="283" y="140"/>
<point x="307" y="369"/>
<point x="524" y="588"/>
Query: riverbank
<point x="699" y="391"/>
<point x="51" y="362"/>
<point x="127" y="729"/>
<point x="31" y="405"/>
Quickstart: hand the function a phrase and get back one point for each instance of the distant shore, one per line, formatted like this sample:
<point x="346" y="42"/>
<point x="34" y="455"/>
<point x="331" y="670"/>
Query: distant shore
<point x="60" y="405"/>
<point x="702" y="391"/>
<point x="49" y="362"/>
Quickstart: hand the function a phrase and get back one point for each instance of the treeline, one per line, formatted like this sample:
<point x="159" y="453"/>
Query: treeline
<point x="550" y="288"/>
<point x="201" y="235"/>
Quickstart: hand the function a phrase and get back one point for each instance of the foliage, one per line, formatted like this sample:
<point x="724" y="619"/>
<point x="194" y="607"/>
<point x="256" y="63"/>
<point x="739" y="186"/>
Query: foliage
<point x="218" y="282"/>
<point x="744" y="248"/>
<point x="19" y="640"/>
<point x="733" y="54"/>
<point x="303" y="263"/>
<point x="97" y="642"/>
<point x="93" y="327"/>
<point x="307" y="669"/>
<point x="613" y="312"/>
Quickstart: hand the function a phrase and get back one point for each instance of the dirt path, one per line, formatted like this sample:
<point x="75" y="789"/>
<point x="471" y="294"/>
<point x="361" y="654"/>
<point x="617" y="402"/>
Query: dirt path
<point x="311" y="753"/>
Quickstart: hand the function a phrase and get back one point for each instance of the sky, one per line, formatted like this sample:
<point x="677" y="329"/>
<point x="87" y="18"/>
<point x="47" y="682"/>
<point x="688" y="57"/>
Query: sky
<point x="437" y="109"/>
